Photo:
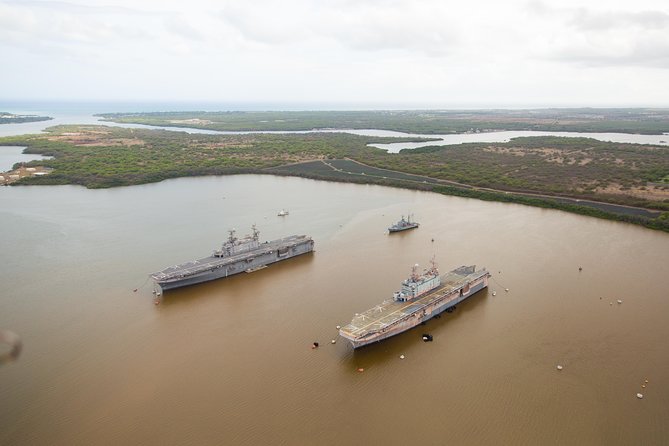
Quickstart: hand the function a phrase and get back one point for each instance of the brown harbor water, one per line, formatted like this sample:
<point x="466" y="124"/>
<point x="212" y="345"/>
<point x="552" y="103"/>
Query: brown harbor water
<point x="229" y="362"/>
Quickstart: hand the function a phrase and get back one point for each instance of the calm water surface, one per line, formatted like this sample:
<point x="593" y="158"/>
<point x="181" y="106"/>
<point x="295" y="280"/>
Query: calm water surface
<point x="65" y="114"/>
<point x="505" y="136"/>
<point x="10" y="155"/>
<point x="229" y="362"/>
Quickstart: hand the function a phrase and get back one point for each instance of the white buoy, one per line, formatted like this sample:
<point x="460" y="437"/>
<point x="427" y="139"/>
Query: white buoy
<point x="639" y="395"/>
<point x="333" y="341"/>
<point x="620" y="301"/>
<point x="559" y="367"/>
<point x="401" y="356"/>
<point x="506" y="289"/>
<point x="338" y="327"/>
<point x="610" y="303"/>
<point x="494" y="293"/>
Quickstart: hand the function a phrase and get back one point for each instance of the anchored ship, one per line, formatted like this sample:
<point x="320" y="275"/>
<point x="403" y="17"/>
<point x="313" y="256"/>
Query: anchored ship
<point x="403" y="224"/>
<point x="247" y="254"/>
<point x="421" y="297"/>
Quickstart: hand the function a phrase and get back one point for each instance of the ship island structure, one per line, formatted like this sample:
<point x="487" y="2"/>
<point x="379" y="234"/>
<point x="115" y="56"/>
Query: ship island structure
<point x="403" y="224"/>
<point x="421" y="297"/>
<point x="236" y="256"/>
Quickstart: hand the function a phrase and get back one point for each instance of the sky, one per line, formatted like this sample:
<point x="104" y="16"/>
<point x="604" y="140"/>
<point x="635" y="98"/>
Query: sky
<point x="395" y="53"/>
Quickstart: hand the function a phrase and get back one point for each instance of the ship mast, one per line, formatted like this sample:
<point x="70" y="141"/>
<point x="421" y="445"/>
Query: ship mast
<point x="434" y="269"/>
<point x="231" y="238"/>
<point x="414" y="273"/>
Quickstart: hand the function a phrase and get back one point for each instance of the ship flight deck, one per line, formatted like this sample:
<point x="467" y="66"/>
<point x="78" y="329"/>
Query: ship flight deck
<point x="390" y="314"/>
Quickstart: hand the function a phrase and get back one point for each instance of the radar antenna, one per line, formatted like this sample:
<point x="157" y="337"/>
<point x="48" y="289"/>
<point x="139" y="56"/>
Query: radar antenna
<point x="434" y="269"/>
<point x="232" y="239"/>
<point x="414" y="273"/>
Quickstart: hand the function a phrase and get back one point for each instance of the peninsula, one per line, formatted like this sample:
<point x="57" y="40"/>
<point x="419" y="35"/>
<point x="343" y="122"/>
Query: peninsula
<point x="621" y="181"/>
<point x="11" y="118"/>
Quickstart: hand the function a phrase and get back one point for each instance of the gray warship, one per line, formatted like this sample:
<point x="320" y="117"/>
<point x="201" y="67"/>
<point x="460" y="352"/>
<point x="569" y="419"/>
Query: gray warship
<point x="236" y="256"/>
<point x="403" y="224"/>
<point x="421" y="297"/>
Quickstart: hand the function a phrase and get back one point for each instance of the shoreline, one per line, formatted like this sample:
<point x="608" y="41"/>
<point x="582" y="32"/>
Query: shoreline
<point x="101" y="157"/>
<point x="645" y="217"/>
<point x="609" y="211"/>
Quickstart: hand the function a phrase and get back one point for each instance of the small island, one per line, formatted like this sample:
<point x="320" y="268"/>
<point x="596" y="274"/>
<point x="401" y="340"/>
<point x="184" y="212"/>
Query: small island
<point x="11" y="118"/>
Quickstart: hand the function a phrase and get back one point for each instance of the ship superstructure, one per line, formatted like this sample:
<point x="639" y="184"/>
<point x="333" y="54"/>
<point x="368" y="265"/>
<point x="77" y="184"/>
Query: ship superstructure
<point x="421" y="297"/>
<point x="418" y="284"/>
<point x="236" y="255"/>
<point x="403" y="224"/>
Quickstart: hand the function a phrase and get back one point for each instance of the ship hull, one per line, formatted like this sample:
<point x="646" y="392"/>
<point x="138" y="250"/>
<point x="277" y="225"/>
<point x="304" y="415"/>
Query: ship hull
<point x="443" y="299"/>
<point x="213" y="268"/>
<point x="391" y="229"/>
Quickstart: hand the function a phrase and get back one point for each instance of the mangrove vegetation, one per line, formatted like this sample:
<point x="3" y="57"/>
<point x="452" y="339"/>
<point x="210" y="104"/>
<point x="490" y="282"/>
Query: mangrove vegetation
<point x="620" y="120"/>
<point x="552" y="172"/>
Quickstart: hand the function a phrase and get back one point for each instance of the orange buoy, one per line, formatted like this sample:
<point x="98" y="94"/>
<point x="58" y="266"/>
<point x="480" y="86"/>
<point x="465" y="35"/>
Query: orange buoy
<point x="361" y="369"/>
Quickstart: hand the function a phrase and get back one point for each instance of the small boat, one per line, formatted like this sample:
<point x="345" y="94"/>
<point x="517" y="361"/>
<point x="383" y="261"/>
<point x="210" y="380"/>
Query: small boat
<point x="403" y="224"/>
<point x="282" y="213"/>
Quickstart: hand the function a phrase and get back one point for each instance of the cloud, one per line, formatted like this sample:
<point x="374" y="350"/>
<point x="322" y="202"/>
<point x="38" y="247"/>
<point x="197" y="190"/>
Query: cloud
<point x="99" y="34"/>
<point x="178" y="26"/>
<point x="640" y="53"/>
<point x="602" y="38"/>
<point x="369" y="50"/>
<point x="366" y="26"/>
<point x="586" y="20"/>
<point x="49" y="26"/>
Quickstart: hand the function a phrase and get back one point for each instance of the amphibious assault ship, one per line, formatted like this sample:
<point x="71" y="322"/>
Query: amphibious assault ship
<point x="403" y="224"/>
<point x="247" y="254"/>
<point x="422" y="296"/>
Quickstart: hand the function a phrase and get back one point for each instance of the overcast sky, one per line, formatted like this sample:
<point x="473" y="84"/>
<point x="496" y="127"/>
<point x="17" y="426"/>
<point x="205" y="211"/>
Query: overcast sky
<point x="433" y="53"/>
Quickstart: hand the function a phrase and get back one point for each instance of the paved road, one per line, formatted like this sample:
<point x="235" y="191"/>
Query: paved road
<point x="354" y="168"/>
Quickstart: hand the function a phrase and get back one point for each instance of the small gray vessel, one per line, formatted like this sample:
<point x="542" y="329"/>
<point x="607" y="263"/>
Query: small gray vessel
<point x="235" y="256"/>
<point x="403" y="224"/>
